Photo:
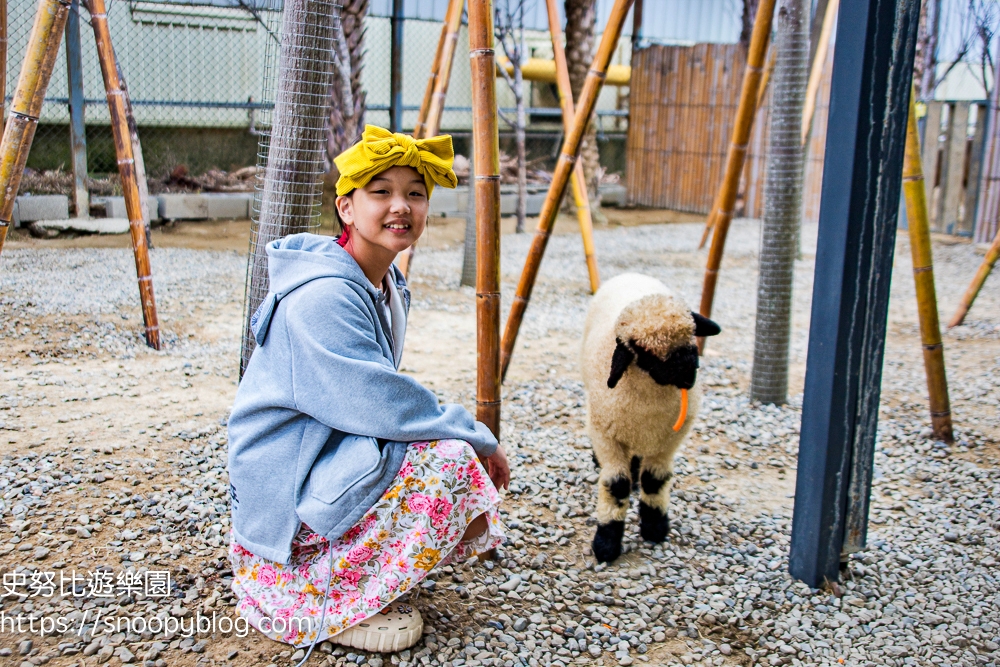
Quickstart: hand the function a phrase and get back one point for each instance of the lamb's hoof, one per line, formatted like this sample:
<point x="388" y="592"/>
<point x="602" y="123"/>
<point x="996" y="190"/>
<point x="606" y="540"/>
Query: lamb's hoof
<point x="654" y="526"/>
<point x="608" y="541"/>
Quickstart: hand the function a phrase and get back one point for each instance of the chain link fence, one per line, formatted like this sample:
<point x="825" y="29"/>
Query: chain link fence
<point x="195" y="73"/>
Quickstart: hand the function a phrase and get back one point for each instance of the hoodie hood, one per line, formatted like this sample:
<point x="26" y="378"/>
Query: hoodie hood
<point x="298" y="259"/>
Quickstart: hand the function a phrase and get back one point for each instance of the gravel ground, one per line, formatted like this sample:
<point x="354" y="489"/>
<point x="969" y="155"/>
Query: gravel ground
<point x="114" y="461"/>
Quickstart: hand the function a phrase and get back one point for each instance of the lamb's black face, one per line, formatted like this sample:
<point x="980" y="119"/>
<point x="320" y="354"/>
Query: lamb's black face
<point x="679" y="369"/>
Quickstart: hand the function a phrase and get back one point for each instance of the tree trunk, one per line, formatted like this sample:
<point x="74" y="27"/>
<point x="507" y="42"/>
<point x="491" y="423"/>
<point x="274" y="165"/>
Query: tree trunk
<point x="581" y="18"/>
<point x="291" y="194"/>
<point x="925" y="61"/>
<point x="783" y="206"/>
<point x="749" y="12"/>
<point x="345" y="128"/>
<point x="469" y="248"/>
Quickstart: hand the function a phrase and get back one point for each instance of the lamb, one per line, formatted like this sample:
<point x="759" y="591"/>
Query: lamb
<point x="638" y="414"/>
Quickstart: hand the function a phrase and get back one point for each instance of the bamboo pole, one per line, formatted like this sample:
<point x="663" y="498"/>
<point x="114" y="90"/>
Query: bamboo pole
<point x="429" y="122"/>
<point x="3" y="58"/>
<point x="36" y="70"/>
<point x="486" y="142"/>
<point x="816" y="74"/>
<point x="429" y="119"/>
<point x="737" y="151"/>
<point x="425" y="104"/>
<point x="453" y="24"/>
<point x="560" y="178"/>
<point x="923" y="277"/>
<point x="751" y="98"/>
<point x="140" y="163"/>
<point x="126" y="167"/>
<point x="580" y="196"/>
<point x="992" y="254"/>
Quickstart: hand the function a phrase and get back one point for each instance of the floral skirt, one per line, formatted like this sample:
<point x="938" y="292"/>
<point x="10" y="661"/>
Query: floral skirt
<point x="417" y="524"/>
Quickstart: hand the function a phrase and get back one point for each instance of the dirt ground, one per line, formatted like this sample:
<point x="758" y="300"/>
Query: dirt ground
<point x="138" y="422"/>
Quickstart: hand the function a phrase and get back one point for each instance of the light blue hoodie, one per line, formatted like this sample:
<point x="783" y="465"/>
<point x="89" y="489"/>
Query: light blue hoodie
<point x="322" y="418"/>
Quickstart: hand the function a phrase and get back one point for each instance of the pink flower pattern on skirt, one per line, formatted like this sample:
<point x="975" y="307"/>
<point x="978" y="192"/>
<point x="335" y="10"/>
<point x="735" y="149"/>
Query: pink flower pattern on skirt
<point x="416" y="525"/>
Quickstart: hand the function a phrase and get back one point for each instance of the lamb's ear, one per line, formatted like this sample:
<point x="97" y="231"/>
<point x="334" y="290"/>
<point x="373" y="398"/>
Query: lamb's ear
<point x="704" y="326"/>
<point x="620" y="361"/>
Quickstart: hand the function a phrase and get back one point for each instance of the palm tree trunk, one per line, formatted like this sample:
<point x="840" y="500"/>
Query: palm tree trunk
<point x="581" y="18"/>
<point x="783" y="206"/>
<point x="749" y="12"/>
<point x="344" y="127"/>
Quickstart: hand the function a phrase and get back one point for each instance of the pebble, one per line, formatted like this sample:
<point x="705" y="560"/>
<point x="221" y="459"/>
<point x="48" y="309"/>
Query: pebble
<point x="929" y="566"/>
<point x="24" y="648"/>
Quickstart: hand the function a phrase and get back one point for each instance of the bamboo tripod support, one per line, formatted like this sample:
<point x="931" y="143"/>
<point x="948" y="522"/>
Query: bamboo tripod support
<point x="3" y="58"/>
<point x="816" y="73"/>
<point x="39" y="60"/>
<point x="992" y="254"/>
<point x="755" y="79"/>
<point x="761" y="94"/>
<point x="726" y="199"/>
<point x="117" y="107"/>
<point x="560" y="178"/>
<point x="429" y="118"/>
<point x="580" y="196"/>
<point x="486" y="143"/>
<point x="923" y="276"/>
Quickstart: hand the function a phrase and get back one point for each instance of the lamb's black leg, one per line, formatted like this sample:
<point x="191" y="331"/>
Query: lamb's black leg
<point x="654" y="525"/>
<point x="636" y="464"/>
<point x="612" y="504"/>
<point x="608" y="541"/>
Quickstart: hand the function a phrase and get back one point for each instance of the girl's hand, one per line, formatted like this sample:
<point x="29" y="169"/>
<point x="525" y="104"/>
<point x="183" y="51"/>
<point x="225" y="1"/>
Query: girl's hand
<point x="498" y="468"/>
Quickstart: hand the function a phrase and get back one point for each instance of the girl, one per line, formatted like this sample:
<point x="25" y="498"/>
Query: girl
<point x="348" y="480"/>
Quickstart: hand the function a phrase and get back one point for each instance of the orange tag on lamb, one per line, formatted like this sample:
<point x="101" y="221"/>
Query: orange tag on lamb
<point x="684" y="410"/>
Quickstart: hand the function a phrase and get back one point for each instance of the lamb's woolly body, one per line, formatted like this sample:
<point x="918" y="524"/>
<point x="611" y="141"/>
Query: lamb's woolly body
<point x="636" y="417"/>
<point x="637" y="414"/>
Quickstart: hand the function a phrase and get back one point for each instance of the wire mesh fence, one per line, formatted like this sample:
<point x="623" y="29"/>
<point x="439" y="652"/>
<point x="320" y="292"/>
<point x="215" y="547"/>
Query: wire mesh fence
<point x="195" y="71"/>
<point x="298" y="78"/>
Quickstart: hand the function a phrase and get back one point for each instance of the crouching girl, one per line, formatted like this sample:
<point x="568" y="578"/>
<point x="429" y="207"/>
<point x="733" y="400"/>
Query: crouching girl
<point x="349" y="482"/>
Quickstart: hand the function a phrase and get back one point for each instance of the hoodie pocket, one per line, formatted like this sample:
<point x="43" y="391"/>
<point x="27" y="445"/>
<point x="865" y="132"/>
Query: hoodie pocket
<point x="343" y="465"/>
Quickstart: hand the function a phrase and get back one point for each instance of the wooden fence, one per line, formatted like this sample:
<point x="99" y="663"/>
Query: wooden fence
<point x="954" y="135"/>
<point x="988" y="211"/>
<point x="681" y="109"/>
<point x="681" y="117"/>
<point x="681" y="112"/>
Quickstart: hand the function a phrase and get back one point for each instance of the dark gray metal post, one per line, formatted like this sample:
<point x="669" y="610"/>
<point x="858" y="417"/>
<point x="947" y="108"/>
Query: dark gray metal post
<point x="77" y="104"/>
<point x="872" y="71"/>
<point x="637" y="24"/>
<point x="396" y="68"/>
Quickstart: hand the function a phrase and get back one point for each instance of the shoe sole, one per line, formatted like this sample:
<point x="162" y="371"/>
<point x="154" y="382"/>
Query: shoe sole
<point x="377" y="641"/>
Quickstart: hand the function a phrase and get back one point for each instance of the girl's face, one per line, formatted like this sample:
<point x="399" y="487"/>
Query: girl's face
<point x="389" y="214"/>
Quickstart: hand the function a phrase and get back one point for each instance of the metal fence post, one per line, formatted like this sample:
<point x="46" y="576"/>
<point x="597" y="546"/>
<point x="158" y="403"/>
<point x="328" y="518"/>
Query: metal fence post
<point x="396" y="68"/>
<point x="77" y="105"/>
<point x="866" y="135"/>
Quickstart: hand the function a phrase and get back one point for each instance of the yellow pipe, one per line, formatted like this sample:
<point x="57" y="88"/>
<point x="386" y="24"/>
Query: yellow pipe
<point x="544" y="71"/>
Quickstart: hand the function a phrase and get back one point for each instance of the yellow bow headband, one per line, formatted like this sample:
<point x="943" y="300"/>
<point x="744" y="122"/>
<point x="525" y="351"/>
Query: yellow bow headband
<point x="380" y="149"/>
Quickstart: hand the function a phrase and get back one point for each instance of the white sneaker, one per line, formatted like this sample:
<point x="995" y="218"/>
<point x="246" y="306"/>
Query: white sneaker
<point x="397" y="627"/>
